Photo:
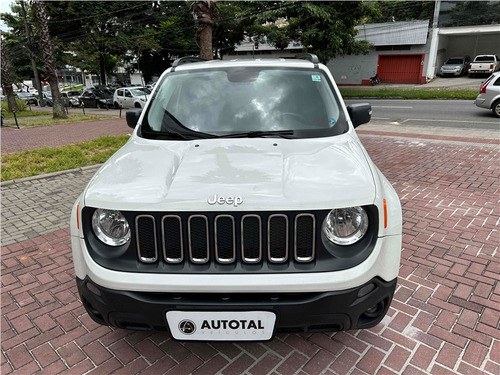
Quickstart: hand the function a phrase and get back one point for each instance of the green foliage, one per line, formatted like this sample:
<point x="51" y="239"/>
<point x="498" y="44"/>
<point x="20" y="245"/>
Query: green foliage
<point x="469" y="13"/>
<point x="422" y="93"/>
<point x="48" y="160"/>
<point x="21" y="106"/>
<point x="401" y="10"/>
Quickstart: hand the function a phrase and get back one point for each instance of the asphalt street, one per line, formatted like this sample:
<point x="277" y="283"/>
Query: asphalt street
<point x="442" y="113"/>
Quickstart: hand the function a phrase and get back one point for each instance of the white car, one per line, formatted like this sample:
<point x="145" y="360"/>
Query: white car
<point x="131" y="97"/>
<point x="243" y="204"/>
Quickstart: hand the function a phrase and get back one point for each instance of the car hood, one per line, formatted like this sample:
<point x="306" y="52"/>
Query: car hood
<point x="234" y="174"/>
<point x="452" y="66"/>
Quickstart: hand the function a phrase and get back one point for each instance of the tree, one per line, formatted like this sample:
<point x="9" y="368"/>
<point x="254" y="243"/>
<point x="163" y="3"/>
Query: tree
<point x="94" y="31"/>
<point x="205" y="17"/>
<point x="469" y="13"/>
<point x="323" y="28"/>
<point x="7" y="83"/>
<point x="390" y="11"/>
<point x="50" y="67"/>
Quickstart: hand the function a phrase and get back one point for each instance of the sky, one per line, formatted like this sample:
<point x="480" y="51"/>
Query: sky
<point x="4" y="8"/>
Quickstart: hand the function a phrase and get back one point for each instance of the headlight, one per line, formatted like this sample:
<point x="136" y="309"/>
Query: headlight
<point x="110" y="227"/>
<point x="345" y="226"/>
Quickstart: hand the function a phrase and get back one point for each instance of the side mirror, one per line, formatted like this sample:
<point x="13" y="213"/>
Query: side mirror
<point x="360" y="113"/>
<point x="132" y="115"/>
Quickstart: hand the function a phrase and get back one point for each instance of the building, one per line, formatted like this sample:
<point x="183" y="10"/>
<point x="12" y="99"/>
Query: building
<point x="399" y="54"/>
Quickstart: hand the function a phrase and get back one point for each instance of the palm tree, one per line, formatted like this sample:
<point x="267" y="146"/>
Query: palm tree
<point x="50" y="66"/>
<point x="205" y="17"/>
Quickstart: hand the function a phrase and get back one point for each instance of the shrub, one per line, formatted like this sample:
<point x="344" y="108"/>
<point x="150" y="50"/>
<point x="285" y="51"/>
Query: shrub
<point x="21" y="105"/>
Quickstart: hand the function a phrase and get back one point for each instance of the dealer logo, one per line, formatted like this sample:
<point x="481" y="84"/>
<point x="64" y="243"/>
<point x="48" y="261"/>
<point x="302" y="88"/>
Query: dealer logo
<point x="187" y="327"/>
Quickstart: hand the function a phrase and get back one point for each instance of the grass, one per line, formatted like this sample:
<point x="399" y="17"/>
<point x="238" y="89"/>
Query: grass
<point x="409" y="94"/>
<point x="73" y="88"/>
<point x="48" y="160"/>
<point x="45" y="121"/>
<point x="25" y="113"/>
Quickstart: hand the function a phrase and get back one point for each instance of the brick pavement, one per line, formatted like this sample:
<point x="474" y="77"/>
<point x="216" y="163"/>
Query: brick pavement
<point x="444" y="318"/>
<point x="14" y="139"/>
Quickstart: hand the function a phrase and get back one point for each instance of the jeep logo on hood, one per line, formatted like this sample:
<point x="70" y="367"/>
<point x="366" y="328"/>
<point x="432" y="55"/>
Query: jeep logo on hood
<point x="219" y="199"/>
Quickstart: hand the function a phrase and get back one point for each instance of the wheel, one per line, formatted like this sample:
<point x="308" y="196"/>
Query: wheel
<point x="116" y="105"/>
<point x="495" y="108"/>
<point x="137" y="105"/>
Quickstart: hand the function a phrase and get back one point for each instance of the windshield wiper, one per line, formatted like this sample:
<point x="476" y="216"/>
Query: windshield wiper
<point x="260" y="134"/>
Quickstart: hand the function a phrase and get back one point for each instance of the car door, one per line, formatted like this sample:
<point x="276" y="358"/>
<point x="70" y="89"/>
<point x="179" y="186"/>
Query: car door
<point x="128" y="101"/>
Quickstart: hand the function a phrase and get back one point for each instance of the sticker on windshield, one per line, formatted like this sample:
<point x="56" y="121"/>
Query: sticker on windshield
<point x="316" y="78"/>
<point x="332" y="121"/>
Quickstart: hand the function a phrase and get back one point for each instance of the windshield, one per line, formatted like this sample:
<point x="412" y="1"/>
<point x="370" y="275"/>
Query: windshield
<point x="140" y="92"/>
<point x="484" y="58"/>
<point x="242" y="99"/>
<point x="454" y="62"/>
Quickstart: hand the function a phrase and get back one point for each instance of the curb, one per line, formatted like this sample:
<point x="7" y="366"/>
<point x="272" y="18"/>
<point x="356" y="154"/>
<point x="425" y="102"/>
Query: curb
<point x="48" y="175"/>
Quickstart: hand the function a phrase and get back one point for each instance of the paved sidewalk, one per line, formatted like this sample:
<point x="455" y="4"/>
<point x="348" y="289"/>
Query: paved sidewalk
<point x="30" y="138"/>
<point x="444" y="318"/>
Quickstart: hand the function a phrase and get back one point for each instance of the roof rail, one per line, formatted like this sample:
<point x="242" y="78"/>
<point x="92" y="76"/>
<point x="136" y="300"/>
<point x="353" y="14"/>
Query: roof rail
<point x="310" y="57"/>
<point x="186" y="60"/>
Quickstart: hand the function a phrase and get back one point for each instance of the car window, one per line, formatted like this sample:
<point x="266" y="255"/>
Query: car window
<point x="497" y="82"/>
<point x="455" y="61"/>
<point x="119" y="92"/>
<point x="483" y="58"/>
<point x="140" y="92"/>
<point x="128" y="94"/>
<point x="237" y="100"/>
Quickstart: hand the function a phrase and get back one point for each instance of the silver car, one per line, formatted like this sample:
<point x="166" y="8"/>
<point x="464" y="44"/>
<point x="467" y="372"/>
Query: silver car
<point x="489" y="94"/>
<point x="455" y="66"/>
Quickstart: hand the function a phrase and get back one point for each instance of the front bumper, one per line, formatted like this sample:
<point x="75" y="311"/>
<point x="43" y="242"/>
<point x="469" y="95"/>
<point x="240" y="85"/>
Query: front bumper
<point x="451" y="72"/>
<point x="360" y="307"/>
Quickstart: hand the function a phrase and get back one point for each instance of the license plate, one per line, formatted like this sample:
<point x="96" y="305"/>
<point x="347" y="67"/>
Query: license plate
<point x="221" y="325"/>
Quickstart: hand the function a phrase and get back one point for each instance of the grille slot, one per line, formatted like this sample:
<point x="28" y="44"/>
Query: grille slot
<point x="146" y="238"/>
<point x="188" y="238"/>
<point x="225" y="245"/>
<point x="277" y="242"/>
<point x="198" y="239"/>
<point x="305" y="233"/>
<point x="251" y="238"/>
<point x="173" y="249"/>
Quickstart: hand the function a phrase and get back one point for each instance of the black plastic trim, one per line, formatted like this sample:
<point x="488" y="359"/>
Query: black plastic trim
<point x="295" y="312"/>
<point x="328" y="256"/>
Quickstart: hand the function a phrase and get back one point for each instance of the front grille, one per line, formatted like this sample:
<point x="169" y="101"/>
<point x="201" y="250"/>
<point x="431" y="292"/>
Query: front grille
<point x="227" y="239"/>
<point x="146" y="238"/>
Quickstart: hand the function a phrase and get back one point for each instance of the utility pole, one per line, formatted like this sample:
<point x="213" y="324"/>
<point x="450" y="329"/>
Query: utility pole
<point x="38" y="85"/>
<point x="431" y="67"/>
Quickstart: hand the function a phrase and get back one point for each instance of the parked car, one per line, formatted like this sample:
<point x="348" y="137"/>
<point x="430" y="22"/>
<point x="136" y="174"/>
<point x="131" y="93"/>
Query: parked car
<point x="455" y="66"/>
<point x="71" y="98"/>
<point x="484" y="64"/>
<point x="243" y="203"/>
<point x="97" y="98"/>
<point x="489" y="94"/>
<point x="47" y="96"/>
<point x="27" y="97"/>
<point x="131" y="97"/>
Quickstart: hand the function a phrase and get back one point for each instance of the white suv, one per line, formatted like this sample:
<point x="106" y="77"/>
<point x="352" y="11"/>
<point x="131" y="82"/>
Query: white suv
<point x="131" y="97"/>
<point x="242" y="205"/>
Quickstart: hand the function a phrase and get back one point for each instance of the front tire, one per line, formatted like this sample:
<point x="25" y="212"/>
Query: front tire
<point x="495" y="108"/>
<point x="137" y="105"/>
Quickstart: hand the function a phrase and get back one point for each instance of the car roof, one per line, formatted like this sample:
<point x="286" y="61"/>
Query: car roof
<point x="130" y="87"/>
<point x="294" y="63"/>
